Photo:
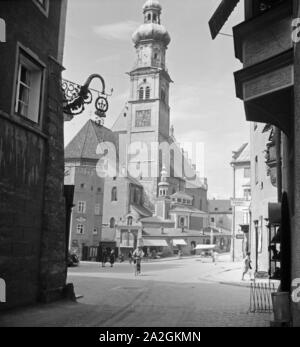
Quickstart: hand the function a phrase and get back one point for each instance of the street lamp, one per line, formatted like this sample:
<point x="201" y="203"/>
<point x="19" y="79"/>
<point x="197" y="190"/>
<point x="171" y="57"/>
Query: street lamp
<point x="75" y="97"/>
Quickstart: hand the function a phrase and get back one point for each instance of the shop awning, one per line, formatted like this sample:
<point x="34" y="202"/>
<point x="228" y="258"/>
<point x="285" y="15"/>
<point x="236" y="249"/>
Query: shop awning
<point x="221" y="15"/>
<point x="205" y="247"/>
<point x="154" y="243"/>
<point x="179" y="242"/>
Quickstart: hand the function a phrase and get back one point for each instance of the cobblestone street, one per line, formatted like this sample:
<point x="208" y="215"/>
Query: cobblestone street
<point x="176" y="293"/>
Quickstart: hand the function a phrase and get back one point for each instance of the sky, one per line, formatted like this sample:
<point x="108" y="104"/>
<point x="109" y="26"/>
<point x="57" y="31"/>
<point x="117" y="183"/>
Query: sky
<point x="203" y="104"/>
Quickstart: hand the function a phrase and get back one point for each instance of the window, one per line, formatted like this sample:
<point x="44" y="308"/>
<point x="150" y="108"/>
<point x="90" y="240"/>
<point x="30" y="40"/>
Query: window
<point x="141" y="93"/>
<point x="247" y="172"/>
<point x="99" y="190"/>
<point x="154" y="17"/>
<point x="247" y="194"/>
<point x="95" y="231"/>
<point x="256" y="170"/>
<point x="182" y="221"/>
<point x="114" y="196"/>
<point x="112" y="223"/>
<point x="212" y="220"/>
<point x="29" y="88"/>
<point x="97" y="209"/>
<point x="80" y="229"/>
<point x="129" y="221"/>
<point x="148" y="93"/>
<point x="82" y="185"/>
<point x="149" y="16"/>
<point x="81" y="206"/>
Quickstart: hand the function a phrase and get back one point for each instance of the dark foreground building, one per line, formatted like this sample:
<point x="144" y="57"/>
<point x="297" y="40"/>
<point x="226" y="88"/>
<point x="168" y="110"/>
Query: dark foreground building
<point x="267" y="43"/>
<point x="32" y="206"/>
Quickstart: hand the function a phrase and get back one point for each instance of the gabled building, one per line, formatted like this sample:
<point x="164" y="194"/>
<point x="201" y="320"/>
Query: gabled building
<point x="32" y="216"/>
<point x="241" y="200"/>
<point x="82" y="157"/>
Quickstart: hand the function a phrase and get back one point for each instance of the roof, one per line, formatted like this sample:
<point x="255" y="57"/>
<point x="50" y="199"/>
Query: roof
<point x="219" y="206"/>
<point x="186" y="208"/>
<point x="171" y="233"/>
<point x="86" y="141"/>
<point x="141" y="210"/>
<point x="120" y="124"/>
<point x="155" y="219"/>
<point x="182" y="195"/>
<point x="242" y="154"/>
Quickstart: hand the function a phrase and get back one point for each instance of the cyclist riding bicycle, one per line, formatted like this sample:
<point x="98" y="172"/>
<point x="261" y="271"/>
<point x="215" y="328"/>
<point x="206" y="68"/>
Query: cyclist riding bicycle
<point x="137" y="255"/>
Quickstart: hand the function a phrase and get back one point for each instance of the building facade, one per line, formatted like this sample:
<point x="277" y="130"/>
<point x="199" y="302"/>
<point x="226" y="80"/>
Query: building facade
<point x="263" y="192"/>
<point x="267" y="44"/>
<point x="32" y="221"/>
<point x="241" y="202"/>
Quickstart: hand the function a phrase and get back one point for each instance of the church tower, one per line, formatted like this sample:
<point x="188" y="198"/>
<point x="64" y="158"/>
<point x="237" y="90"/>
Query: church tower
<point x="149" y="111"/>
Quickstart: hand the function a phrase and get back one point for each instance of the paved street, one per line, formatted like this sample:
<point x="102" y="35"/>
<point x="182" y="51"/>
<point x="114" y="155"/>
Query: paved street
<point x="182" y="292"/>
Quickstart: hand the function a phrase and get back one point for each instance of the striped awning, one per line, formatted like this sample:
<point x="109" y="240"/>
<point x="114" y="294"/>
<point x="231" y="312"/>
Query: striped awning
<point x="154" y="243"/>
<point x="179" y="242"/>
<point x="221" y="15"/>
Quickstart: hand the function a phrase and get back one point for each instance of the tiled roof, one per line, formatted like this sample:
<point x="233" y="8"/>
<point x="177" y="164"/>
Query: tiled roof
<point x="142" y="210"/>
<point x="185" y="208"/>
<point x="182" y="195"/>
<point x="86" y="141"/>
<point x="242" y="154"/>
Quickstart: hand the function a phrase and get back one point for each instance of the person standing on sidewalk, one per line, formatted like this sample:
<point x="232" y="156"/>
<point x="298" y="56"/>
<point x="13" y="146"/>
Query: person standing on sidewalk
<point x="247" y="266"/>
<point x="112" y="258"/>
<point x="104" y="257"/>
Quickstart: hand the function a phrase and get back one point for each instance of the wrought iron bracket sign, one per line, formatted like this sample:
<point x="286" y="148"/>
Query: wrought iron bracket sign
<point x="76" y="97"/>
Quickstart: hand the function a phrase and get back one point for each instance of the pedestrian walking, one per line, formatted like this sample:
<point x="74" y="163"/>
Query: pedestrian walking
<point x="112" y="258"/>
<point x="214" y="256"/>
<point x="247" y="266"/>
<point x="138" y="254"/>
<point x="130" y="257"/>
<point x="104" y="257"/>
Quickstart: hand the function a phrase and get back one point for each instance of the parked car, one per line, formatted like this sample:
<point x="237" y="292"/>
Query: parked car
<point x="73" y="259"/>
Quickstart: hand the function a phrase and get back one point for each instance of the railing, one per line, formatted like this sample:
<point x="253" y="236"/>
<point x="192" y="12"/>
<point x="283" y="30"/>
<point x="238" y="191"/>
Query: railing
<point x="261" y="296"/>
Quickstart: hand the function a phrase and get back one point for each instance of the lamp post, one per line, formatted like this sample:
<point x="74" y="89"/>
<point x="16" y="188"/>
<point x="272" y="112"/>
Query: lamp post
<point x="75" y="97"/>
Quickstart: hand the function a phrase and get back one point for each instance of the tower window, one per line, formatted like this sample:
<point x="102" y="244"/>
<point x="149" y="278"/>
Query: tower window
<point x="148" y="93"/>
<point x="149" y="16"/>
<point x="114" y="196"/>
<point x="141" y="93"/>
<point x="154" y="17"/>
<point x="112" y="223"/>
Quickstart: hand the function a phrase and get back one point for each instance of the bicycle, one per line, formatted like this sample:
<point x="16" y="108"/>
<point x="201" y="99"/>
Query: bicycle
<point x="137" y="266"/>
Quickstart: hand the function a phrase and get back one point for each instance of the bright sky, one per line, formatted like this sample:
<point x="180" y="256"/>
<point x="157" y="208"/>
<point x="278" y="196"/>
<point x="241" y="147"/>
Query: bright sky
<point x="202" y="99"/>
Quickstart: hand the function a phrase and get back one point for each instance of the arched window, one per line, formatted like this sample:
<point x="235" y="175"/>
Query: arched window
<point x="149" y="16"/>
<point x="141" y="93"/>
<point x="112" y="223"/>
<point x="154" y="17"/>
<point x="129" y="221"/>
<point x="148" y="93"/>
<point x="114" y="196"/>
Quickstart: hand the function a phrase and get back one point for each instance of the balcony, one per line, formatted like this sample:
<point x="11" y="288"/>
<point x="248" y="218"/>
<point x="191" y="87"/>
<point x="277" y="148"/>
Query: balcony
<point x="265" y="84"/>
